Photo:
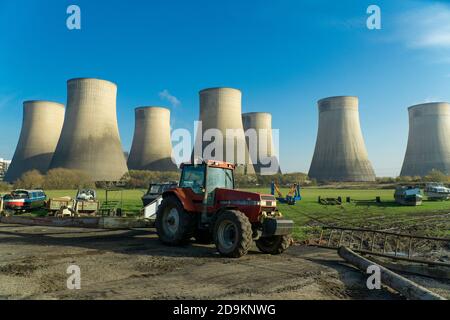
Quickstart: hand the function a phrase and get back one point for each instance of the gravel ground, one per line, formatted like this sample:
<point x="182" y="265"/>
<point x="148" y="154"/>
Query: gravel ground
<point x="132" y="264"/>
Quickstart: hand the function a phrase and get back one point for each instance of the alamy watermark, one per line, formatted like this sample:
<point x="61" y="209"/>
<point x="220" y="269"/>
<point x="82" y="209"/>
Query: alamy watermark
<point x="373" y="22"/>
<point x="74" y="280"/>
<point x="259" y="147"/>
<point x="73" y="21"/>
<point x="374" y="280"/>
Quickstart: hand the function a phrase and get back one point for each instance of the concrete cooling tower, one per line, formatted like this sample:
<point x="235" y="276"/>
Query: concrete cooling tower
<point x="429" y="139"/>
<point x="261" y="122"/>
<point x="41" y="127"/>
<point x="340" y="153"/>
<point x="90" y="136"/>
<point x="152" y="146"/>
<point x="220" y="108"/>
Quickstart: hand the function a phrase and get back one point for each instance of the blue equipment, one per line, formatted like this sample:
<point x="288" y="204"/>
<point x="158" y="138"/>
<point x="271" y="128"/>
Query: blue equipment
<point x="292" y="196"/>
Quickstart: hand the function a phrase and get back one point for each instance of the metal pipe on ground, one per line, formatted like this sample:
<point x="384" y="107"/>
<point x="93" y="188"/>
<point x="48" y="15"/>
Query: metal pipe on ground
<point x="406" y="287"/>
<point x="438" y="272"/>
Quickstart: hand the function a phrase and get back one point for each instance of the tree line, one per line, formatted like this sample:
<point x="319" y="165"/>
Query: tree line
<point x="59" y="179"/>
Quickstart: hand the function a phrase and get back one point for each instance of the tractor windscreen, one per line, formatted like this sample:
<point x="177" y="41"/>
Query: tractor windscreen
<point x="219" y="178"/>
<point x="193" y="177"/>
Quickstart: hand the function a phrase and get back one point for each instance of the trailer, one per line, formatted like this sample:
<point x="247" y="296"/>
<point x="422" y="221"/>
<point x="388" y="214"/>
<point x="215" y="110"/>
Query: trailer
<point x="437" y="191"/>
<point x="408" y="195"/>
<point x="155" y="190"/>
<point x="56" y="205"/>
<point x="86" y="201"/>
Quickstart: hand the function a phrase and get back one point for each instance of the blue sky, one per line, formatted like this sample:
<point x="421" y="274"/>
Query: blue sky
<point x="284" y="55"/>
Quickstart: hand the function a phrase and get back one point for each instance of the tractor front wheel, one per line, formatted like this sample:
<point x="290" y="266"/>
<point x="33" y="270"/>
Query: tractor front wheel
<point x="173" y="224"/>
<point x="232" y="234"/>
<point x="273" y="244"/>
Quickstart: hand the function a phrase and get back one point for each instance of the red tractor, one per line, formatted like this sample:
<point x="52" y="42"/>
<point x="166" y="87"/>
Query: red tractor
<point x="206" y="206"/>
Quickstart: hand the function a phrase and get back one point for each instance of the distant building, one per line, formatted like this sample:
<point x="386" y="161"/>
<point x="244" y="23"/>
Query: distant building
<point x="89" y="139"/>
<point x="340" y="153"/>
<point x="428" y="144"/>
<point x="4" y="165"/>
<point x="41" y="127"/>
<point x="221" y="109"/>
<point x="151" y="148"/>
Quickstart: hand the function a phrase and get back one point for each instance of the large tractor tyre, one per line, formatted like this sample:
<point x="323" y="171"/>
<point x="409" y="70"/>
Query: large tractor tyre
<point x="232" y="234"/>
<point x="273" y="244"/>
<point x="173" y="224"/>
<point x="203" y="236"/>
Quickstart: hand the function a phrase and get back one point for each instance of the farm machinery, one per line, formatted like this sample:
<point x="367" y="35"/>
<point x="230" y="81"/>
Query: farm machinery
<point x="205" y="205"/>
<point x="408" y="195"/>
<point x="292" y="196"/>
<point x="153" y="198"/>
<point x="85" y="202"/>
<point x="437" y="191"/>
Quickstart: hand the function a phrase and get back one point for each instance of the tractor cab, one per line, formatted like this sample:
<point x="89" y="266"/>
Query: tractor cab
<point x="211" y="187"/>
<point x="206" y="206"/>
<point x="205" y="178"/>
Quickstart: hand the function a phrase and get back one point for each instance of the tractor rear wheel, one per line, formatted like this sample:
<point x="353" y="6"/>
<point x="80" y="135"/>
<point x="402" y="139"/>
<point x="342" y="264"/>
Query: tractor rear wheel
<point x="232" y="234"/>
<point x="273" y="244"/>
<point x="173" y="224"/>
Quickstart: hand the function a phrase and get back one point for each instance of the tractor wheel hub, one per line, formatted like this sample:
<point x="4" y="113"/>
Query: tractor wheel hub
<point x="227" y="234"/>
<point x="172" y="221"/>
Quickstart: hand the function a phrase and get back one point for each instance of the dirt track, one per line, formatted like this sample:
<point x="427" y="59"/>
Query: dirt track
<point x="132" y="264"/>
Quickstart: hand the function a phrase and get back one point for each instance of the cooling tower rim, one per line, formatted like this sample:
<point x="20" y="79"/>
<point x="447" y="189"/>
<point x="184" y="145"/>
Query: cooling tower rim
<point x="256" y="112"/>
<point x="336" y="98"/>
<point x="97" y="79"/>
<point x="428" y="104"/>
<point x="152" y="108"/>
<point x="44" y="101"/>
<point x="249" y="114"/>
<point x="219" y="88"/>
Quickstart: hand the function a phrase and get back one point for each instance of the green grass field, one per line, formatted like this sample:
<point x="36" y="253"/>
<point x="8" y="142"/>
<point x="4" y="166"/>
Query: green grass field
<point x="432" y="218"/>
